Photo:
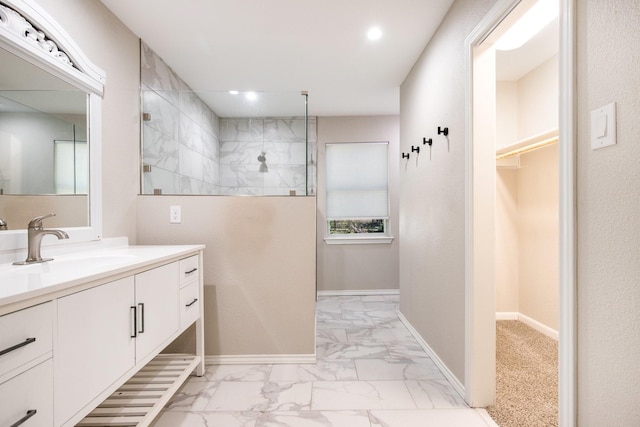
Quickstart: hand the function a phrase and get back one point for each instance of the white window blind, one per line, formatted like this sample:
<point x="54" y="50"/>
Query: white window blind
<point x="357" y="180"/>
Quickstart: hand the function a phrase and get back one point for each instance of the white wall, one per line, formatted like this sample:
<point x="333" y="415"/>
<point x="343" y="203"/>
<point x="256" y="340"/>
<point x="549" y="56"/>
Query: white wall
<point x="538" y="99"/>
<point x="358" y="267"/>
<point x="527" y="199"/>
<point x="608" y="216"/>
<point x="538" y="236"/>
<point x="507" y="241"/>
<point x="432" y="193"/>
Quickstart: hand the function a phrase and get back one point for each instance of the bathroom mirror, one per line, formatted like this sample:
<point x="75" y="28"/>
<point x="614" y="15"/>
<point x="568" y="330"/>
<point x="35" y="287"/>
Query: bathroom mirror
<point x="50" y="126"/>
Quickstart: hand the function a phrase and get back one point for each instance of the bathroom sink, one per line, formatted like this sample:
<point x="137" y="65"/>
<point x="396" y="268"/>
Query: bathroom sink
<point x="95" y="260"/>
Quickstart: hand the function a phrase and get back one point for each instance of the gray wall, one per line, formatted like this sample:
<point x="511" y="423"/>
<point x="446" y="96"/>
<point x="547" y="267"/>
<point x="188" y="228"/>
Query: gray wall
<point x="432" y="225"/>
<point x="358" y="267"/>
<point x="432" y="192"/>
<point x="608" y="219"/>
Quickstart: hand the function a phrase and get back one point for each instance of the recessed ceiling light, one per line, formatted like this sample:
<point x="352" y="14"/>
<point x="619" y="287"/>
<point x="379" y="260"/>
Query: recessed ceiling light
<point x="251" y="96"/>
<point x="234" y="92"/>
<point x="374" y="33"/>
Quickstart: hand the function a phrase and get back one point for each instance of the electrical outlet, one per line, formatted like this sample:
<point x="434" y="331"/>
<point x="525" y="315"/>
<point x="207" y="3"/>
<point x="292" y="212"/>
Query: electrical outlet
<point x="175" y="215"/>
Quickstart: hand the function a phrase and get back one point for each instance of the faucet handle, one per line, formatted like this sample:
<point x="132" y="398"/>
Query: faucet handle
<point x="37" y="221"/>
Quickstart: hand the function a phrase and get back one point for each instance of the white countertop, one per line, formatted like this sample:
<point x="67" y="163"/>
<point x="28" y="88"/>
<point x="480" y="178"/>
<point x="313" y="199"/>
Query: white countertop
<point x="23" y="282"/>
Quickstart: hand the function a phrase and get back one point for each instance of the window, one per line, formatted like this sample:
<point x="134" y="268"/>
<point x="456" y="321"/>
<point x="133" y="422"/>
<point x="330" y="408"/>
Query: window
<point x="357" y="190"/>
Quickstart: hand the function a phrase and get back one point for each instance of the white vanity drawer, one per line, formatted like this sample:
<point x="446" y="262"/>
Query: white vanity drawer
<point x="24" y="336"/>
<point x="30" y="391"/>
<point x="189" y="270"/>
<point x="189" y="304"/>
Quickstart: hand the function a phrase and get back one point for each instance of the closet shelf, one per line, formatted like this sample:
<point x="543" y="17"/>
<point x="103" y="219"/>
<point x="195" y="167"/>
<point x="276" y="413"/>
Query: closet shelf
<point x="142" y="398"/>
<point x="528" y="144"/>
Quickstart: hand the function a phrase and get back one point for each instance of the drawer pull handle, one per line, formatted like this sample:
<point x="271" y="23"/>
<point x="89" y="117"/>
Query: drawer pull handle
<point x="193" y="270"/>
<point x="134" y="324"/>
<point x="192" y="302"/>
<point x="30" y="413"/>
<point x="141" y="306"/>
<point x="17" y="346"/>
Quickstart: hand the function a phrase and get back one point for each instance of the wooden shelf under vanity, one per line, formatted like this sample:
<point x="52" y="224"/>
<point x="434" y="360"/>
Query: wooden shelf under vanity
<point x="140" y="400"/>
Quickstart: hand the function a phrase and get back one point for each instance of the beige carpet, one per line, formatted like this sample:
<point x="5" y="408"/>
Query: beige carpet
<point x="526" y="377"/>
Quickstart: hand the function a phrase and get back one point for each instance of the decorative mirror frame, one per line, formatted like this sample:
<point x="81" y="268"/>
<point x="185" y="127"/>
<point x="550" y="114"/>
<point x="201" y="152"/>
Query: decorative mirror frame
<point x="29" y="32"/>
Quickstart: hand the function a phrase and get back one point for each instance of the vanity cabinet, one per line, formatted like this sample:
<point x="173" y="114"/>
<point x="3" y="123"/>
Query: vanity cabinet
<point x="27" y="399"/>
<point x="105" y="331"/>
<point x="95" y="345"/>
<point x="74" y="341"/>
<point x="25" y="360"/>
<point x="156" y="295"/>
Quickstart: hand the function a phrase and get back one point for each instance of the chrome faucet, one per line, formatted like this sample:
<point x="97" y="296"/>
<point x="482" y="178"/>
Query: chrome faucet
<point x="35" y="233"/>
<point x="3" y="224"/>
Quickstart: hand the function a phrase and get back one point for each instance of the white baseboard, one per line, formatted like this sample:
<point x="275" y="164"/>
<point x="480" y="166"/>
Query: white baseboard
<point x="486" y="417"/>
<point x="507" y="315"/>
<point x="359" y="292"/>
<point x="261" y="359"/>
<point x="457" y="385"/>
<point x="544" y="329"/>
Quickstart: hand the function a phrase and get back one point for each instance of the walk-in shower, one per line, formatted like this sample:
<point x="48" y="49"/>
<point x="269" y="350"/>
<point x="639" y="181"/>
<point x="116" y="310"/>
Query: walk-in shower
<point x="228" y="142"/>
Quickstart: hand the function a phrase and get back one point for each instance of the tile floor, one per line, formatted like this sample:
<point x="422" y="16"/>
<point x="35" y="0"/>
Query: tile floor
<point x="370" y="372"/>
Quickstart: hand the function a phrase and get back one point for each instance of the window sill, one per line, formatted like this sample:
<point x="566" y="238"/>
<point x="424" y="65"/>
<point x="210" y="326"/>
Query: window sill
<point x="358" y="240"/>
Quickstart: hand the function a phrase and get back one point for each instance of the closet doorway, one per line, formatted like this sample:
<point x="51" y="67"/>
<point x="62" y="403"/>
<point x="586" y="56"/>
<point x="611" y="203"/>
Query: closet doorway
<point x="526" y="222"/>
<point x="514" y="158"/>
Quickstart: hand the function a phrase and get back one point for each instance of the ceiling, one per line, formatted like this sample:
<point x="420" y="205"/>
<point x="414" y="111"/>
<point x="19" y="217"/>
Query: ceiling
<point x="512" y="65"/>
<point x="290" y="45"/>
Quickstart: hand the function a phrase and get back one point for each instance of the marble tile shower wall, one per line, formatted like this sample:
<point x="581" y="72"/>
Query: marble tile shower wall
<point x="266" y="156"/>
<point x="180" y="138"/>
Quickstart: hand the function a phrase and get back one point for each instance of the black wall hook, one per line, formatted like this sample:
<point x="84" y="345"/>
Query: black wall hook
<point x="443" y="131"/>
<point x="415" y="149"/>
<point x="405" y="155"/>
<point x="427" y="141"/>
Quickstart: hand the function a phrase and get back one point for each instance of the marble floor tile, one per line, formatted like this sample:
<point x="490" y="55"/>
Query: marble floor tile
<point x="331" y="336"/>
<point x="206" y="419"/>
<point x="382" y="335"/>
<point x="406" y="350"/>
<point x="314" y="419"/>
<point x="261" y="396"/>
<point x="236" y="373"/>
<point x="338" y="370"/>
<point x="397" y="369"/>
<point x="351" y="351"/>
<point x="358" y="395"/>
<point x="192" y="396"/>
<point x="433" y="394"/>
<point x="433" y="418"/>
<point x="370" y="372"/>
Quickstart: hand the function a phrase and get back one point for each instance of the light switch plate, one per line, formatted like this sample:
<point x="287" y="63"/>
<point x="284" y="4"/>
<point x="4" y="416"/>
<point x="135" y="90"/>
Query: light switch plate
<point x="603" y="126"/>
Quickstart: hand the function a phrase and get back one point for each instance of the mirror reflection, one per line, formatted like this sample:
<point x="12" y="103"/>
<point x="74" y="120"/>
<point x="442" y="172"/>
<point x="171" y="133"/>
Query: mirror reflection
<point x="44" y="150"/>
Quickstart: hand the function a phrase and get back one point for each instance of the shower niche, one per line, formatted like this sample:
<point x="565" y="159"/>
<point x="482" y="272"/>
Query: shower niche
<point x="223" y="142"/>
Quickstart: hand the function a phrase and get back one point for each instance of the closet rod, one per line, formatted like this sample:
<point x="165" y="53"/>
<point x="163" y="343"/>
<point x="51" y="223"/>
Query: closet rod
<point x="529" y="144"/>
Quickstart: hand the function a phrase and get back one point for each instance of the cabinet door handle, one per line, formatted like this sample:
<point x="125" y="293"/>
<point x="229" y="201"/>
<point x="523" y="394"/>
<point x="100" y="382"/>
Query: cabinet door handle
<point x="17" y="346"/>
<point x="193" y="270"/>
<point x="192" y="302"/>
<point x="134" y="323"/>
<point x="30" y="413"/>
<point x="141" y="306"/>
